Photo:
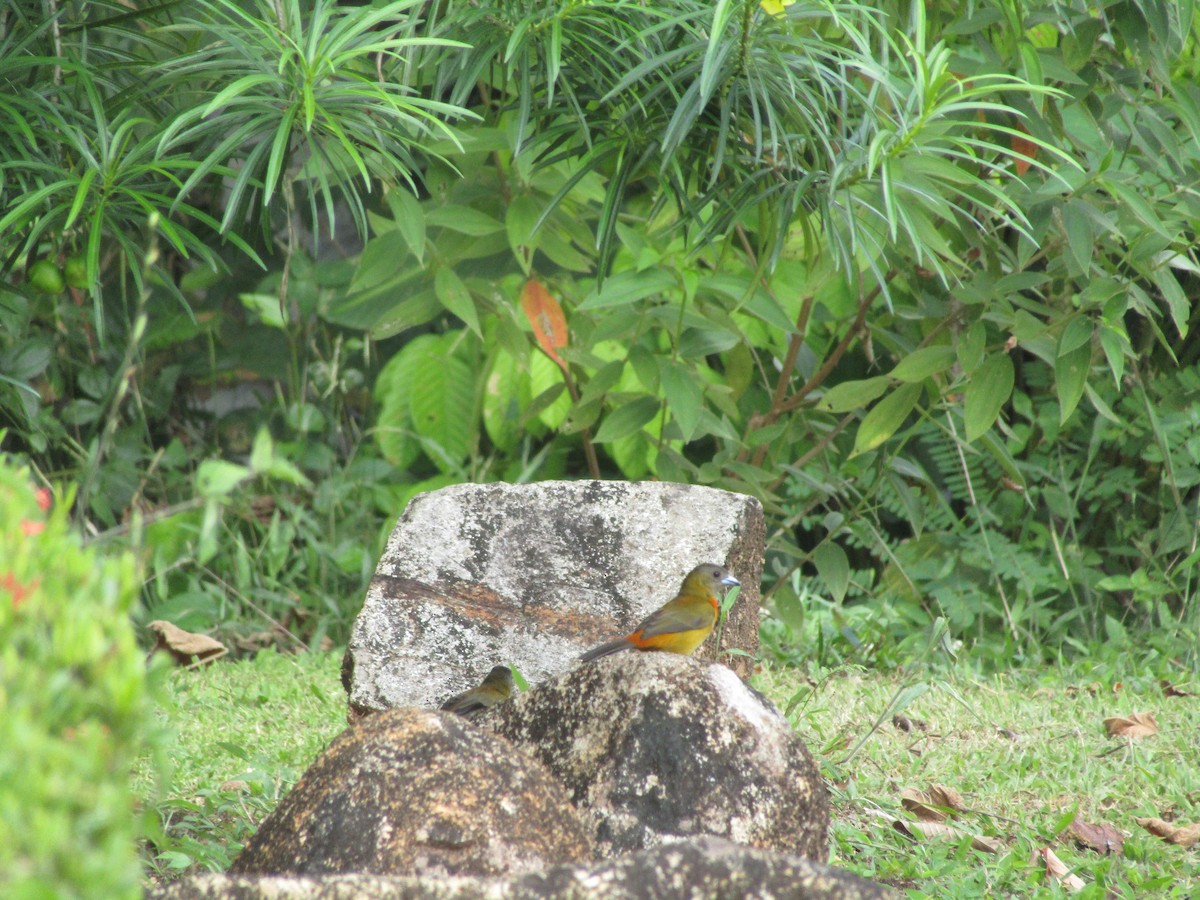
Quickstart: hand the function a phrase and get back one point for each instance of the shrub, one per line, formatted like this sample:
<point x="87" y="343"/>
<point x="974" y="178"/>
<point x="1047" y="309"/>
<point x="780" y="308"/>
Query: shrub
<point x="73" y="686"/>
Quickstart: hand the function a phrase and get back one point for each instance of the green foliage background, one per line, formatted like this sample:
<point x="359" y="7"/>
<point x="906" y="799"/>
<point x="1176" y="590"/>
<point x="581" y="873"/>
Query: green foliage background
<point x="918" y="277"/>
<point x="77" y="707"/>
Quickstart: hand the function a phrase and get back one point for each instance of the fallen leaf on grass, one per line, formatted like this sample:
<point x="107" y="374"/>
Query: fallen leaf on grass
<point x="1102" y="838"/>
<point x="1185" y="836"/>
<point x="934" y="805"/>
<point x="185" y="646"/>
<point x="1171" y="690"/>
<point x="1137" y="725"/>
<point x="1057" y="869"/>
<point x="940" y="831"/>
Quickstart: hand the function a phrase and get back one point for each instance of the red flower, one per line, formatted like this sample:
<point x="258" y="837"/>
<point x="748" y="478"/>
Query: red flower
<point x="30" y="528"/>
<point x="19" y="591"/>
<point x="44" y="499"/>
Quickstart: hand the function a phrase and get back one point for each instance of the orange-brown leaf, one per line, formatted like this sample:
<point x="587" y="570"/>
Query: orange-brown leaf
<point x="185" y="645"/>
<point x="1102" y="838"/>
<point x="546" y="316"/>
<point x="1057" y="869"/>
<point x="1132" y="727"/>
<point x="1025" y="147"/>
<point x="1183" y="835"/>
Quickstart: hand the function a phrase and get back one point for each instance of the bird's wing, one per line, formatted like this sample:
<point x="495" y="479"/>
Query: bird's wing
<point x="674" y="618"/>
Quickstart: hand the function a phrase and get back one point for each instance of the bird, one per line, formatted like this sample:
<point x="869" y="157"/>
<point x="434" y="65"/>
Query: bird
<point x="683" y="622"/>
<point x="495" y="688"/>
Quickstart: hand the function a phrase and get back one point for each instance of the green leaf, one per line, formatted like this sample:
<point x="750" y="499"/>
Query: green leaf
<point x="520" y="219"/>
<point x="627" y="419"/>
<point x="453" y="294"/>
<point x="834" y="568"/>
<point x="410" y="220"/>
<point x="628" y="287"/>
<point x="443" y="408"/>
<point x="684" y="397"/>
<point x="851" y="395"/>
<point x="922" y="363"/>
<point x="1177" y="301"/>
<point x="394" y="431"/>
<point x="1081" y="234"/>
<point x="1070" y="375"/>
<point x="885" y="418"/>
<point x="505" y="395"/>
<point x="986" y="393"/>
<point x="217" y="478"/>
<point x="463" y="219"/>
<point x="971" y="345"/>
<point x="545" y="377"/>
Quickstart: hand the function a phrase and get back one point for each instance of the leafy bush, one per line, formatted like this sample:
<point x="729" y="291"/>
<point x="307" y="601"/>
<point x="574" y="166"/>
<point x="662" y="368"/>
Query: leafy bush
<point x="76" y="706"/>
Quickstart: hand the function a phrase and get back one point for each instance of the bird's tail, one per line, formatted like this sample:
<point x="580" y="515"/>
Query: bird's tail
<point x="605" y="649"/>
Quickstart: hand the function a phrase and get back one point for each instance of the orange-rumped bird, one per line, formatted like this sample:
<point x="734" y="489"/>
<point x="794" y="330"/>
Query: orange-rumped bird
<point x="683" y="622"/>
<point x="496" y="688"/>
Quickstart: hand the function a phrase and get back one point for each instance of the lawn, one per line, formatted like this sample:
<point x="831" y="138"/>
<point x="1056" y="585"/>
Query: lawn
<point x="1027" y="751"/>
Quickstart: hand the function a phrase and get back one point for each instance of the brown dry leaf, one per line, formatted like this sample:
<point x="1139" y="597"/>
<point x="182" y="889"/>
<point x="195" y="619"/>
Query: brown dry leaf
<point x="934" y="805"/>
<point x="1137" y="725"/>
<point x="921" y="805"/>
<point x="1057" y="869"/>
<point x="1102" y="838"/>
<point x="941" y="831"/>
<point x="941" y="795"/>
<point x="1171" y="690"/>
<point x="185" y="646"/>
<point x="1185" y="836"/>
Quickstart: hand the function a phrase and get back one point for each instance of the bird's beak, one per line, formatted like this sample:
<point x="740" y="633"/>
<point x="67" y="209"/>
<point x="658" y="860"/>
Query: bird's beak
<point x="730" y="580"/>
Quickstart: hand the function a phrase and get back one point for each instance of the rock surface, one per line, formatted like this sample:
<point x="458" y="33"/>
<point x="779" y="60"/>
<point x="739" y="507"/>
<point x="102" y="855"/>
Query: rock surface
<point x="533" y="575"/>
<point x="698" y="869"/>
<point x="413" y="792"/>
<point x="654" y="747"/>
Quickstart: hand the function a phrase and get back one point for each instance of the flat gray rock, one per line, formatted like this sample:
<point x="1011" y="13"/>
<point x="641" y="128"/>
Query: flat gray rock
<point x="414" y="792"/>
<point x="655" y="747"/>
<point x="699" y="869"/>
<point x="534" y="575"/>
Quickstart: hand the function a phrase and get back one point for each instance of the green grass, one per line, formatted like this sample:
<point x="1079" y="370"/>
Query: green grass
<point x="1024" y="789"/>
<point x="246" y="731"/>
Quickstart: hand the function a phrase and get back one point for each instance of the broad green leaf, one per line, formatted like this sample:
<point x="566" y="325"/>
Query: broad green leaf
<point x="216" y="478"/>
<point x="851" y="395"/>
<point x="442" y="405"/>
<point x="453" y="294"/>
<point x="394" y="430"/>
<point x="519" y="221"/>
<point x="463" y="219"/>
<point x="1070" y="375"/>
<point x="627" y="419"/>
<point x="922" y="363"/>
<point x="788" y="607"/>
<point x="505" y="395"/>
<point x="684" y="397"/>
<point x="834" y="568"/>
<point x="1077" y="333"/>
<point x="985" y="395"/>
<point x="971" y="345"/>
<point x="628" y="287"/>
<point x="1081" y="235"/>
<point x="1115" y="343"/>
<point x="409" y="219"/>
<point x="545" y="375"/>
<point x="1177" y="301"/>
<point x="886" y="417"/>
